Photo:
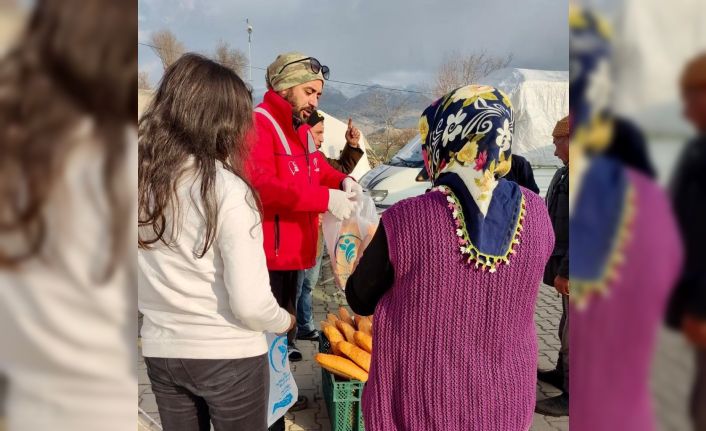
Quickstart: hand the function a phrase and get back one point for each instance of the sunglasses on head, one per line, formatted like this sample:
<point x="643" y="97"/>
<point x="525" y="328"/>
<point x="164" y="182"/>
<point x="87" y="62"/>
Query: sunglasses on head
<point x="315" y="65"/>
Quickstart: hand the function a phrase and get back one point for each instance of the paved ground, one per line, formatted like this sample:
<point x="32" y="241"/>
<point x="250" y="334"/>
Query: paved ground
<point x="672" y="373"/>
<point x="672" y="370"/>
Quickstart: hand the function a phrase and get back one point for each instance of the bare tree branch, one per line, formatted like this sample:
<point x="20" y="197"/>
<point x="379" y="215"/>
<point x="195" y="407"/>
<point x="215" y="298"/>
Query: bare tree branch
<point x="458" y="70"/>
<point x="167" y="47"/>
<point x="388" y="111"/>
<point x="232" y="58"/>
<point x="143" y="80"/>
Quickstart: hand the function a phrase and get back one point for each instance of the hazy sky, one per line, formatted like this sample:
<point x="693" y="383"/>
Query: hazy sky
<point x="388" y="42"/>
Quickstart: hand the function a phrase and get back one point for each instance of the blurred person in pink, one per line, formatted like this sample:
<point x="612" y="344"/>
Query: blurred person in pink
<point x="687" y="309"/>
<point x="625" y="253"/>
<point x="68" y="165"/>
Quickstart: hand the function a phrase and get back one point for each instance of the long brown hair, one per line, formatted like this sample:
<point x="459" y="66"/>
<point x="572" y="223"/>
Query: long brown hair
<point x="201" y="110"/>
<point x="76" y="59"/>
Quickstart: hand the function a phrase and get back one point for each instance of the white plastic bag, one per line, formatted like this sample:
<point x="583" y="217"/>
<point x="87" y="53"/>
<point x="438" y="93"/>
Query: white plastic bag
<point x="346" y="240"/>
<point x="283" y="388"/>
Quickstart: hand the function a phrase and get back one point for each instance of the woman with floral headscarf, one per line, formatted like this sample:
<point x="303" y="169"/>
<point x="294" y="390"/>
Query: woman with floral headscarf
<point x="452" y="277"/>
<point x="625" y="251"/>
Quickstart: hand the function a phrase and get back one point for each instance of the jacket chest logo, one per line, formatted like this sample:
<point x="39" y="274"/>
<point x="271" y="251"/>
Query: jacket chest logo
<point x="293" y="168"/>
<point x="316" y="165"/>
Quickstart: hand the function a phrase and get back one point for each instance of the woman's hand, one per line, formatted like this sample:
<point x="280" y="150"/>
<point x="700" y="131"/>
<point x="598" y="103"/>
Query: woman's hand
<point x="292" y="324"/>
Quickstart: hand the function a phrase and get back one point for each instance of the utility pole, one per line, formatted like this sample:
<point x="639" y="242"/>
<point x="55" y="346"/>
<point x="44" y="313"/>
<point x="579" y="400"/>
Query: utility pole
<point x="247" y="21"/>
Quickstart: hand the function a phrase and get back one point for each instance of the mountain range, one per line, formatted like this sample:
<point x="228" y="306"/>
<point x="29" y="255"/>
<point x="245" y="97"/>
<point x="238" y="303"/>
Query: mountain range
<point x="371" y="107"/>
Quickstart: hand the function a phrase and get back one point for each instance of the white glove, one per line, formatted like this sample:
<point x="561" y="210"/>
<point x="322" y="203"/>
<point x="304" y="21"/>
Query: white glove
<point x="340" y="203"/>
<point x="350" y="185"/>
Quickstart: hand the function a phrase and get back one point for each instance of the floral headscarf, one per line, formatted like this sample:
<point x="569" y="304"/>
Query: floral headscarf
<point x="600" y="224"/>
<point x="590" y="87"/>
<point x="472" y="127"/>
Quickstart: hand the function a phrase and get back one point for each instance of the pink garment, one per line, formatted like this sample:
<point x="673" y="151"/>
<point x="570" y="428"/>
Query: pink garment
<point x="455" y="347"/>
<point x="612" y="341"/>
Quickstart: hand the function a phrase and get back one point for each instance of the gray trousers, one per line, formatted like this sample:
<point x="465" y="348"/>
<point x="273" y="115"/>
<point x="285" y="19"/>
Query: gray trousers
<point x="698" y="395"/>
<point x="193" y="393"/>
<point x="562" y="363"/>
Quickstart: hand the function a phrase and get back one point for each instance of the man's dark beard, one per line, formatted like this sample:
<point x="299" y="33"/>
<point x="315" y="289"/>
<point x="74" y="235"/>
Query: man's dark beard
<point x="297" y="120"/>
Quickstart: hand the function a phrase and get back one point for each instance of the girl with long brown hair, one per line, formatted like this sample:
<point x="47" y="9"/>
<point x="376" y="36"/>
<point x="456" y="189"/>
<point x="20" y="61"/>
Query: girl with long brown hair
<point x="67" y="157"/>
<point x="203" y="284"/>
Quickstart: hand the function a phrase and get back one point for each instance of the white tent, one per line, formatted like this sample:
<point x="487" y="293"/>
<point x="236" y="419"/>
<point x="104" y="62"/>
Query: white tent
<point x="652" y="45"/>
<point x="539" y="98"/>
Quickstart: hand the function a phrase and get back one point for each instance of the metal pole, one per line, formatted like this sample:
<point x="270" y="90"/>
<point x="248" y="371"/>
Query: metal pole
<point x="247" y="21"/>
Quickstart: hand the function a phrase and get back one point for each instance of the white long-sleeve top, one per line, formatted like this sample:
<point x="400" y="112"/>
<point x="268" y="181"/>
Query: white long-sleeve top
<point x="217" y="306"/>
<point x="68" y="332"/>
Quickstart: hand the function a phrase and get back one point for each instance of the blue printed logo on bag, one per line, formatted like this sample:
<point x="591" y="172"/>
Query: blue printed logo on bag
<point x="283" y="388"/>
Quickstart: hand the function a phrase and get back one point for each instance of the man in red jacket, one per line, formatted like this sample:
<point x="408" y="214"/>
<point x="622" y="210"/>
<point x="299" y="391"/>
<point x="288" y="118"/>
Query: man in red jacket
<point x="294" y="185"/>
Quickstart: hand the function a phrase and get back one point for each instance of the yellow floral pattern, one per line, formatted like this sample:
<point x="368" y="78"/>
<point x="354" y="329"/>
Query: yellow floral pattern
<point x="423" y="128"/>
<point x="504" y="165"/>
<point x="473" y="126"/>
<point x="469" y="151"/>
<point x="470" y="93"/>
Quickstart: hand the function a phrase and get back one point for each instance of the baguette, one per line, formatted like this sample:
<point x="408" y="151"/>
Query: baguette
<point x="341" y="366"/>
<point x="345" y="316"/>
<point x="356" y="354"/>
<point x="364" y="341"/>
<point x="347" y="330"/>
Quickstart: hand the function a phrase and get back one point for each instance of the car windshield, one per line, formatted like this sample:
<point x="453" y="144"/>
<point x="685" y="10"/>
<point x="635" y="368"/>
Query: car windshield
<point x="409" y="156"/>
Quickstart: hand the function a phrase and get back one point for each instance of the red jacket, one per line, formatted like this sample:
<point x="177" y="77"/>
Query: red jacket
<point x="292" y="181"/>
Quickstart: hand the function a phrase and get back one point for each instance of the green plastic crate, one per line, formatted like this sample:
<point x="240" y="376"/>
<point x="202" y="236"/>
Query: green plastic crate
<point x="342" y="397"/>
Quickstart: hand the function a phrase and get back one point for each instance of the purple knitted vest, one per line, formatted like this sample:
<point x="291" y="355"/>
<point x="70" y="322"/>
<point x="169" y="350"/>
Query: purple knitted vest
<point x="455" y="347"/>
<point x="613" y="339"/>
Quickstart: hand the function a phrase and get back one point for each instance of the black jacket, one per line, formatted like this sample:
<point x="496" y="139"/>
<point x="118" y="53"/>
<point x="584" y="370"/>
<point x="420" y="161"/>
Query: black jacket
<point x="521" y="173"/>
<point x="628" y="146"/>
<point x="689" y="204"/>
<point x="348" y="159"/>
<point x="558" y="205"/>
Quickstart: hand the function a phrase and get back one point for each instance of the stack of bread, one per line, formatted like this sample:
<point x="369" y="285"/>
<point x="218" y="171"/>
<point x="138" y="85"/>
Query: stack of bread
<point x="351" y="339"/>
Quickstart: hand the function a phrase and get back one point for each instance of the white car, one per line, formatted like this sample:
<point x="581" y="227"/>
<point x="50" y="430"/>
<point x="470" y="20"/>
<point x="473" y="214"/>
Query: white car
<point x="404" y="176"/>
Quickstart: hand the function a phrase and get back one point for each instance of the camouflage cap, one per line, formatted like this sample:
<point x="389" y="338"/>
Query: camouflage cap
<point x="292" y="75"/>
